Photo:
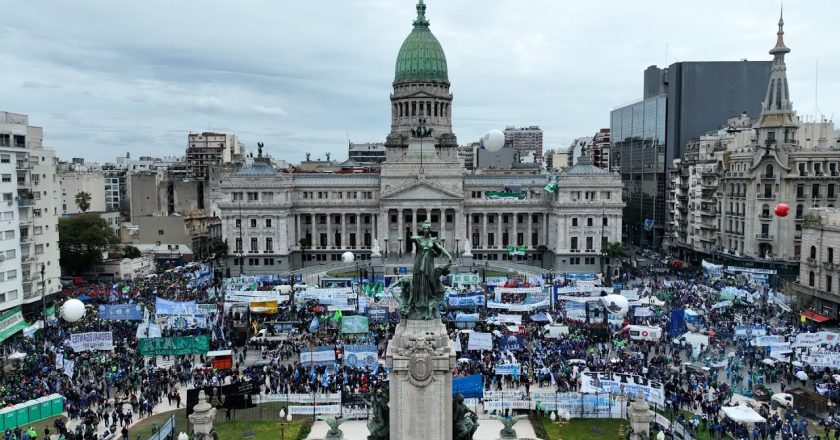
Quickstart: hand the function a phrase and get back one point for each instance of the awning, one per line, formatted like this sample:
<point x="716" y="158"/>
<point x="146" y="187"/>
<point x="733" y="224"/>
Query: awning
<point x="814" y="316"/>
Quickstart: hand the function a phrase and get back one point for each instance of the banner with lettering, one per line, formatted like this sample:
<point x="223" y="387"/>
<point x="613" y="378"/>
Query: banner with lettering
<point x="471" y="300"/>
<point x="148" y="331"/>
<point x="121" y="312"/>
<point x="92" y="341"/>
<point x="318" y="399"/>
<point x="614" y="383"/>
<point x="508" y="369"/>
<point x="822" y="360"/>
<point x="308" y="410"/>
<point x="377" y="315"/>
<point x="178" y="345"/>
<point x="179" y="314"/>
<point x="11" y="322"/>
<point x="512" y="343"/>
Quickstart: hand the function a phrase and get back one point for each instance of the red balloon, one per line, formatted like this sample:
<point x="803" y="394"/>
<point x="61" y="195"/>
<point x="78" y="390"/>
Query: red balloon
<point x="782" y="209"/>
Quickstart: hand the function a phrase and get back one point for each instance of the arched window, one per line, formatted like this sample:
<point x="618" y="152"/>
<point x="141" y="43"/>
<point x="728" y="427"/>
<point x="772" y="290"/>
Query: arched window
<point x="813" y="252"/>
<point x="799" y="209"/>
<point x="811" y="279"/>
<point x="768" y="170"/>
<point x="765" y="211"/>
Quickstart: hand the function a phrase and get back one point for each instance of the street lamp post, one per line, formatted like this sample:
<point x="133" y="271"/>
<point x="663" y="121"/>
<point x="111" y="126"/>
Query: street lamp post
<point x="44" y="296"/>
<point x="401" y="248"/>
<point x="457" y="245"/>
<point x="285" y="419"/>
<point x="386" y="248"/>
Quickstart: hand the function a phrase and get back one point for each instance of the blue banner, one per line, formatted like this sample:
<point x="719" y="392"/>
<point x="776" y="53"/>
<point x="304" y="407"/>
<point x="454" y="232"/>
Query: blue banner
<point x="167" y="307"/>
<point x="677" y="322"/>
<point x="470" y="387"/>
<point x="199" y="278"/>
<point x="512" y="343"/>
<point x="580" y="276"/>
<point x="121" y="312"/>
<point x="471" y="300"/>
<point x="361" y="356"/>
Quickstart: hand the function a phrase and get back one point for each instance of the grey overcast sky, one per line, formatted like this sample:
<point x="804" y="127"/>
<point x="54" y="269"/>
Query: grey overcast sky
<point x="105" y="77"/>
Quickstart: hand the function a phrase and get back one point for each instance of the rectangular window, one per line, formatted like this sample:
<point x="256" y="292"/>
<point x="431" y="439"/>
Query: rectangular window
<point x="253" y="223"/>
<point x="830" y="254"/>
<point x="5" y="158"/>
<point x="268" y="223"/>
<point x="269" y="244"/>
<point x="815" y="191"/>
<point x="238" y="245"/>
<point x="828" y="283"/>
<point x="589" y="221"/>
<point x="589" y="243"/>
<point x="239" y="223"/>
<point x="268" y="261"/>
<point x="830" y="191"/>
<point x="574" y="221"/>
<point x="11" y="275"/>
<point x="7" y="178"/>
<point x="254" y="245"/>
<point x="574" y="243"/>
<point x="8" y="235"/>
<point x="800" y="191"/>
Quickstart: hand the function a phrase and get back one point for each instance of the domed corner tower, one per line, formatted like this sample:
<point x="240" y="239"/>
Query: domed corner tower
<point x="421" y="89"/>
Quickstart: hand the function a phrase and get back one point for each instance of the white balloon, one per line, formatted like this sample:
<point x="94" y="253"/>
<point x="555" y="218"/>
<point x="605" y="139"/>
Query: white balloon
<point x="348" y="257"/>
<point x="494" y="140"/>
<point x="72" y="310"/>
<point x="616" y="304"/>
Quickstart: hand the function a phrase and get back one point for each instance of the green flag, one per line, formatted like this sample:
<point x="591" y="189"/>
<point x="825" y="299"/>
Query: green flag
<point x="337" y="315"/>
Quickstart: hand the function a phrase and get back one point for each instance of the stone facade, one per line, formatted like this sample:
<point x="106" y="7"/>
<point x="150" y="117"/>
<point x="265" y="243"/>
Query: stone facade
<point x="278" y="221"/>
<point x="819" y="271"/>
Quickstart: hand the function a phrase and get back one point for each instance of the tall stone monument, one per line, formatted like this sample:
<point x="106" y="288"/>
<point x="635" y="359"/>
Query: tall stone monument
<point x="640" y="417"/>
<point x="421" y="356"/>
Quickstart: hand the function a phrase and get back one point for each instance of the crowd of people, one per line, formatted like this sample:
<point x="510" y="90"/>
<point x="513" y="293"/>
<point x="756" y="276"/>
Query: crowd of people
<point x="120" y="386"/>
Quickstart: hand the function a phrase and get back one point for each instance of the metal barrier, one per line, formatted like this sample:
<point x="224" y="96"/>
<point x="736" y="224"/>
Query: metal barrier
<point x="165" y="430"/>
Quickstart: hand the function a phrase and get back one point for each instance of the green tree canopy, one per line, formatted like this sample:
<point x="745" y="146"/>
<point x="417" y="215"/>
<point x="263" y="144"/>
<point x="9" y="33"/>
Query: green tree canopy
<point x="82" y="239"/>
<point x="131" y="252"/>
<point x="83" y="201"/>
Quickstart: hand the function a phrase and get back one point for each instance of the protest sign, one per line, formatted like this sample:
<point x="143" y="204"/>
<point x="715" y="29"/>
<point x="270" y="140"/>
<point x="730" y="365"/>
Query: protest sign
<point x="749" y="331"/>
<point x="822" y="360"/>
<point x="11" y="322"/>
<point x="354" y="324"/>
<point x="508" y="369"/>
<point x="308" y="410"/>
<point x="318" y="399"/>
<point x="471" y="300"/>
<point x="512" y="343"/>
<point x="148" y="331"/>
<point x="377" y="314"/>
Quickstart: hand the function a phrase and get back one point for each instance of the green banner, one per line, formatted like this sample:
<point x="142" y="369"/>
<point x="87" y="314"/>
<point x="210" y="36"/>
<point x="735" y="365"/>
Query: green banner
<point x="11" y="322"/>
<point x="354" y="324"/>
<point x="372" y="290"/>
<point x="516" y="250"/>
<point x="178" y="345"/>
<point x="505" y="195"/>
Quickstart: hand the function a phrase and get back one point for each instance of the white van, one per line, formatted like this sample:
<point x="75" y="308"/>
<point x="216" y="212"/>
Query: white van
<point x="644" y="333"/>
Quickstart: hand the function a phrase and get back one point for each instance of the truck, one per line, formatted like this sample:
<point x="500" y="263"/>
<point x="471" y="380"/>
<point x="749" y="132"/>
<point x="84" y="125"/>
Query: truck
<point x="805" y="401"/>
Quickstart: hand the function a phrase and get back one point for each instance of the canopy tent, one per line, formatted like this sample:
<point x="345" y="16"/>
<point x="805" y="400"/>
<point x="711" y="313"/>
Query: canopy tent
<point x="743" y="414"/>
<point x="814" y="316"/>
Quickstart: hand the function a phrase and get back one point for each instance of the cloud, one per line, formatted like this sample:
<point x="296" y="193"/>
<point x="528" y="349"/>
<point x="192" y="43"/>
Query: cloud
<point x="138" y="76"/>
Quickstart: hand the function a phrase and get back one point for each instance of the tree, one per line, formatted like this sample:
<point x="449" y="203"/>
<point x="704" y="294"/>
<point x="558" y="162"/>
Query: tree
<point x="131" y="252"/>
<point x="613" y="250"/>
<point x="82" y="239"/>
<point x="83" y="201"/>
<point x="219" y="249"/>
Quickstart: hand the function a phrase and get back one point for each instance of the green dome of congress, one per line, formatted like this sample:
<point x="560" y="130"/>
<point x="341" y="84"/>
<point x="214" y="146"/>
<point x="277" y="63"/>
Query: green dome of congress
<point x="421" y="58"/>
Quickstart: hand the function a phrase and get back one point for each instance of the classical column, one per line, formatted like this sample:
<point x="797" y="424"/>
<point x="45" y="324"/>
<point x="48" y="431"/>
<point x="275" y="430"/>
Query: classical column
<point x="400" y="229"/>
<point x="413" y="222"/>
<point x="344" y="241"/>
<point x="483" y="238"/>
<point x="500" y="244"/>
<point x="298" y="219"/>
<point x="329" y="231"/>
<point x="528" y="242"/>
<point x="546" y="220"/>
<point x="515" y="220"/>
<point x="359" y="241"/>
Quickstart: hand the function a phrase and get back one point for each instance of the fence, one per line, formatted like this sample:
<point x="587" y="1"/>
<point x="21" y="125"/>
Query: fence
<point x="271" y="412"/>
<point x="165" y="430"/>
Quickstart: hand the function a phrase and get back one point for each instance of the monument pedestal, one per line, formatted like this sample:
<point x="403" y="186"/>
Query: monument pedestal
<point x="420" y="358"/>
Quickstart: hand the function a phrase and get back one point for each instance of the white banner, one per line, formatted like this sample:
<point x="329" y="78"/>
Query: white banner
<point x="509" y="319"/>
<point x="317" y="356"/>
<point x="809" y="340"/>
<point x="630" y="294"/>
<point x="152" y="329"/>
<point x="92" y="341"/>
<point x="318" y="399"/>
<point x="779" y="347"/>
<point x="59" y="361"/>
<point x="303" y="410"/>
<point x="480" y="341"/>
<point x="822" y="360"/>
<point x="642" y="311"/>
<point x="518" y="307"/>
<point x="507" y="395"/>
<point x="613" y="383"/>
<point x="457" y="344"/>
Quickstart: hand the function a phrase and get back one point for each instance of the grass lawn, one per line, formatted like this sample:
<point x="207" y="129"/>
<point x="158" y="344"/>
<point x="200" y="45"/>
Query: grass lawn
<point x="227" y="430"/>
<point x="41" y="424"/>
<point x="582" y="429"/>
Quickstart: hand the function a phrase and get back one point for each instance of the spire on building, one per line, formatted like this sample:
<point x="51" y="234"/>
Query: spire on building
<point x="780" y="49"/>
<point x="777" y="122"/>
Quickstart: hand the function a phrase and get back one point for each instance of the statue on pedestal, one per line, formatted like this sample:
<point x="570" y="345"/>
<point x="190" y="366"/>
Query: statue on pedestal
<point x="507" y="432"/>
<point x="375" y="251"/>
<point x="379" y="424"/>
<point x="334" y="433"/>
<point x="422" y="294"/>
<point x="467" y="248"/>
<point x="464" y="420"/>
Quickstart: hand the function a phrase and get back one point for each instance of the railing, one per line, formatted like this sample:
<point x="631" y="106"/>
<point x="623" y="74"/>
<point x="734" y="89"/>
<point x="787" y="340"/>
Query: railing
<point x="165" y="430"/>
<point x="829" y="266"/>
<point x="764" y="237"/>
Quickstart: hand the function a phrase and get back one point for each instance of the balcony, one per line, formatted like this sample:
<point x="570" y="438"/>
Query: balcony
<point x="797" y="235"/>
<point x="830" y="266"/>
<point x="763" y="237"/>
<point x="765" y="217"/>
<point x="811" y="262"/>
<point x="25" y="201"/>
<point x="766" y="197"/>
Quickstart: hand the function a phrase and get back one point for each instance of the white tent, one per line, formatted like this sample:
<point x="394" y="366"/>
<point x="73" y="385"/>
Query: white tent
<point x="743" y="414"/>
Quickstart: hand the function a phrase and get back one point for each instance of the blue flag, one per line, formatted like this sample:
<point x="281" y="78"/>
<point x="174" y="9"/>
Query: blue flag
<point x="312" y="374"/>
<point x="314" y="325"/>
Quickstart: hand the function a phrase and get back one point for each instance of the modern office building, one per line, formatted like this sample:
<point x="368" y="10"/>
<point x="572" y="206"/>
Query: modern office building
<point x="367" y="153"/>
<point x="680" y="103"/>
<point x="276" y="220"/>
